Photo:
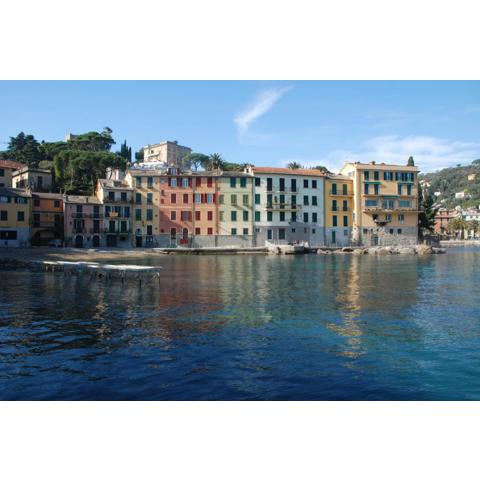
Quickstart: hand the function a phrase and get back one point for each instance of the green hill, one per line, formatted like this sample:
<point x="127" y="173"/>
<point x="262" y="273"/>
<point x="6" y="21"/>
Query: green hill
<point x="452" y="180"/>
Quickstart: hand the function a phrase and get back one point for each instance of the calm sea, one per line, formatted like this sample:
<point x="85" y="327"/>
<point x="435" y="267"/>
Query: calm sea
<point x="248" y="328"/>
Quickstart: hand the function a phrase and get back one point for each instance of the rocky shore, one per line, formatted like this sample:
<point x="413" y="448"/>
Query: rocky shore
<point x="413" y="250"/>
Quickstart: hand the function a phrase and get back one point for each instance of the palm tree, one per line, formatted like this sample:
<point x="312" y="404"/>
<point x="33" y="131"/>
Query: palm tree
<point x="456" y="225"/>
<point x="294" y="165"/>
<point x="472" y="226"/>
<point x="216" y="161"/>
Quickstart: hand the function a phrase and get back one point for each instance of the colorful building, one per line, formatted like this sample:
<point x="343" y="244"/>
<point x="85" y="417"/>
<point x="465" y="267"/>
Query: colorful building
<point x="235" y="209"/>
<point x="83" y="220"/>
<point x="165" y="154"/>
<point x="117" y="198"/>
<point x="34" y="178"/>
<point x="47" y="218"/>
<point x="15" y="214"/>
<point x="338" y="210"/>
<point x="289" y="206"/>
<point x="7" y="167"/>
<point x="385" y="203"/>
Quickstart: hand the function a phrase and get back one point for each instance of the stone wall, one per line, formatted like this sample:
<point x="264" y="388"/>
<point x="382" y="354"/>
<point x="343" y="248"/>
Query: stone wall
<point x="211" y="241"/>
<point x="381" y="236"/>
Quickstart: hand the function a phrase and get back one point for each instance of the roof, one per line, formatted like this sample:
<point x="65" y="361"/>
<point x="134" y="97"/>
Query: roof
<point x="393" y="166"/>
<point x="114" y="184"/>
<point x="11" y="164"/>
<point x="26" y="168"/>
<point x="82" y="199"/>
<point x="53" y="196"/>
<point x="165" y="142"/>
<point x="310" y="172"/>
<point x="14" y="192"/>
<point x="338" y="177"/>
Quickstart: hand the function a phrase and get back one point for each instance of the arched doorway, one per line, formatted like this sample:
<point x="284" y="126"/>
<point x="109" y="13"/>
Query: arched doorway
<point x="78" y="241"/>
<point x="96" y="241"/>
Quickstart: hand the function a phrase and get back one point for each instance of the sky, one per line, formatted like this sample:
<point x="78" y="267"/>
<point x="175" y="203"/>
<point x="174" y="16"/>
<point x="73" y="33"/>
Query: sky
<point x="266" y="123"/>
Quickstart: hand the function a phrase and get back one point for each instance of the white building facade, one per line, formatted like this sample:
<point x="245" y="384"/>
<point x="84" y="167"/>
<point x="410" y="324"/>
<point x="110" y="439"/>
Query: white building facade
<point x="289" y="206"/>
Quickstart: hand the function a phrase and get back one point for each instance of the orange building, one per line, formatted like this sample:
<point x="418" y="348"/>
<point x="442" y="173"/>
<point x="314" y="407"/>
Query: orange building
<point x="188" y="206"/>
<point x="47" y="218"/>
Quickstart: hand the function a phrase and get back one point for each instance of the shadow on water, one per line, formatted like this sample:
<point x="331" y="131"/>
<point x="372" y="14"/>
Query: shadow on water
<point x="248" y="327"/>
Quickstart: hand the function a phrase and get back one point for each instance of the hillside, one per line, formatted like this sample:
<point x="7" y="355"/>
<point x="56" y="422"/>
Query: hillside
<point x="452" y="180"/>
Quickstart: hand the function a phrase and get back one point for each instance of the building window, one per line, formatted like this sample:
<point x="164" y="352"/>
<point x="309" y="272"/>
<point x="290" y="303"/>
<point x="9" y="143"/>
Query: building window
<point x="409" y="189"/>
<point x="345" y="205"/>
<point x="269" y="184"/>
<point x="233" y="182"/>
<point x="138" y="182"/>
<point x="269" y="216"/>
<point x="282" y="184"/>
<point x="269" y="200"/>
<point x="221" y="216"/>
<point x="138" y="198"/>
<point x="245" y="231"/>
<point x="185" y="198"/>
<point x="269" y="234"/>
<point x="233" y="199"/>
<point x="173" y="182"/>
<point x="149" y="198"/>
<point x="3" y="215"/>
<point x="198" y="198"/>
<point x="173" y="198"/>
<point x="243" y="182"/>
<point x="209" y="231"/>
<point x="376" y="188"/>
<point x="245" y="216"/>
<point x="334" y="206"/>
<point x="149" y="214"/>
<point x="305" y="199"/>
<point x="293" y="218"/>
<point x="20" y="216"/>
<point x="111" y="196"/>
<point x="138" y="214"/>
<point x="305" y="183"/>
<point x="399" y="231"/>
<point x="334" y="188"/>
<point x="209" y="197"/>
<point x="282" y="216"/>
<point x="36" y="201"/>
<point x="293" y="184"/>
<point x="197" y="230"/>
<point x="198" y="216"/>
<point x="371" y="203"/>
<point x="388" y="217"/>
<point x="2" y="172"/>
<point x="185" y="215"/>
<point x="281" y="234"/>
<point x="305" y="217"/>
<point x="314" y="201"/>
<point x="366" y="175"/>
<point x="376" y="175"/>
<point x="173" y="215"/>
<point x="233" y="216"/>
<point x="404" y="203"/>
<point x="209" y="215"/>
<point x="173" y="234"/>
<point x="233" y="231"/>
<point x="314" y="184"/>
<point x="345" y="221"/>
<point x="198" y="181"/>
<point x="401" y="218"/>
<point x="334" y="220"/>
<point x="221" y="199"/>
<point x="391" y="231"/>
<point x="185" y="183"/>
<point x="366" y="188"/>
<point x="314" y="217"/>
<point x="344" y="189"/>
<point x="245" y="199"/>
<point x="399" y="188"/>
<point x="257" y="199"/>
<point x="149" y="182"/>
<point x="257" y="216"/>
<point x="257" y="181"/>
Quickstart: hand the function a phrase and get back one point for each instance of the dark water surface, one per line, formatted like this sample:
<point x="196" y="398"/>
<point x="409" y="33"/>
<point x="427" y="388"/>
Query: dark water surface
<point x="248" y="327"/>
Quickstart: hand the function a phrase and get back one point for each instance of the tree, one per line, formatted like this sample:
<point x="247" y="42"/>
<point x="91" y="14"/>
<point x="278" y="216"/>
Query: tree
<point x="410" y="162"/>
<point x="215" y="161"/>
<point x="125" y="151"/>
<point x="196" y="160"/>
<point x="322" y="169"/>
<point x="24" y="149"/>
<point x="92" y="141"/>
<point x="457" y="225"/>
<point x="294" y="165"/>
<point x="50" y="149"/>
<point x="426" y="216"/>
<point x="139" y="155"/>
<point x="472" y="226"/>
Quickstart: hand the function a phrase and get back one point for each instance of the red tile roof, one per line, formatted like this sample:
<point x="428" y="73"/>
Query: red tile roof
<point x="289" y="171"/>
<point x="11" y="164"/>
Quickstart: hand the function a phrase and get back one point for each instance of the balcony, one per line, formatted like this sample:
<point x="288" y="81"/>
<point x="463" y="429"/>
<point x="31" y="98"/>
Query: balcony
<point x="117" y="200"/>
<point x="81" y="215"/>
<point x="117" y="231"/>
<point x="286" y="190"/>
<point x="285" y="206"/>
<point x="390" y="208"/>
<point x="340" y="194"/>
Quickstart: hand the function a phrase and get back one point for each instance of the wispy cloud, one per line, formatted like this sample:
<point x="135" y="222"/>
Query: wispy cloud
<point x="263" y="102"/>
<point x="430" y="153"/>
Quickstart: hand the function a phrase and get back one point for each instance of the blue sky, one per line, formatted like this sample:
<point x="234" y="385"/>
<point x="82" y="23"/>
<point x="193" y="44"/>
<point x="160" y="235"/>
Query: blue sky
<point x="261" y="122"/>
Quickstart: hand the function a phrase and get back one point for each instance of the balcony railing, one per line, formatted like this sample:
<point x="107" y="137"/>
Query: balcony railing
<point x="341" y="193"/>
<point x="286" y="190"/>
<point x="117" y="231"/>
<point x="390" y="208"/>
<point x="284" y="206"/>
<point x="117" y="200"/>
<point x="81" y="215"/>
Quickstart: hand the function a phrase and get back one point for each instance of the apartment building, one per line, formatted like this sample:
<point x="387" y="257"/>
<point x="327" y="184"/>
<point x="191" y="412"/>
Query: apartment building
<point x="15" y="214"/>
<point x="83" y="218"/>
<point x="7" y="167"/>
<point x="289" y="206"/>
<point x="47" y="218"/>
<point x="117" y="198"/>
<point x="385" y="203"/>
<point x="338" y="210"/>
<point x="235" y="209"/>
<point x="36" y="179"/>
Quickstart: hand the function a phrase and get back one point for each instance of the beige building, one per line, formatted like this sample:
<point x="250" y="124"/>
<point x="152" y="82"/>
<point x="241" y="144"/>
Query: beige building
<point x="385" y="203"/>
<point x="36" y="179"/>
<point x="165" y="154"/>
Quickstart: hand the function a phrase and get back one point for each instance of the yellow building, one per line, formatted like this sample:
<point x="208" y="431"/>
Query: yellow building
<point x="235" y="205"/>
<point x="338" y="210"/>
<point x="385" y="203"/>
<point x="15" y="213"/>
<point x="7" y="167"/>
